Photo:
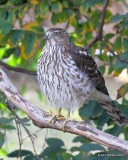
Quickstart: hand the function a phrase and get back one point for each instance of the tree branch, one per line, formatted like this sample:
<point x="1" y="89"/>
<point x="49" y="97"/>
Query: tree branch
<point x="100" y="29"/>
<point x="113" y="53"/>
<point x="17" y="69"/>
<point x="41" y="119"/>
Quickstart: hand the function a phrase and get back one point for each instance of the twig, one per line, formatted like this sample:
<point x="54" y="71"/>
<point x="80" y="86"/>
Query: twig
<point x="41" y="119"/>
<point x="113" y="53"/>
<point x="100" y="29"/>
<point x="19" y="136"/>
<point x="19" y="132"/>
<point x="17" y="69"/>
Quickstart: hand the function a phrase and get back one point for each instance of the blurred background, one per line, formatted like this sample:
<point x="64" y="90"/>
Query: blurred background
<point x="22" y="25"/>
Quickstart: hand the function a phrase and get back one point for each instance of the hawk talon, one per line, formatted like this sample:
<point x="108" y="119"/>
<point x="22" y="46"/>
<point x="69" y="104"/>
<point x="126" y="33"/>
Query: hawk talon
<point x="59" y="117"/>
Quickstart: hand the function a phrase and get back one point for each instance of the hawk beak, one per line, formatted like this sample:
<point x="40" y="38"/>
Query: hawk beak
<point x="46" y="37"/>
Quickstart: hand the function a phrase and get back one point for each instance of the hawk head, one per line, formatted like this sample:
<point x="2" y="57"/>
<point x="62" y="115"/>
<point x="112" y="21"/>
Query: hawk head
<point x="56" y="35"/>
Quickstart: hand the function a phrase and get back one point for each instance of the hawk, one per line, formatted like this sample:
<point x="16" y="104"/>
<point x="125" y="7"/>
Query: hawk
<point x="69" y="77"/>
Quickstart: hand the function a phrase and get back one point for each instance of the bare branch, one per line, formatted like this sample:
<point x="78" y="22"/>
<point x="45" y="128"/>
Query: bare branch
<point x="41" y="119"/>
<point x="100" y="29"/>
<point x="17" y="69"/>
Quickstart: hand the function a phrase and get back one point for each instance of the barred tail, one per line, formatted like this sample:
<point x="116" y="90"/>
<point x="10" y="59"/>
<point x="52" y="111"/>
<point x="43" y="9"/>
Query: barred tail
<point x="115" y="114"/>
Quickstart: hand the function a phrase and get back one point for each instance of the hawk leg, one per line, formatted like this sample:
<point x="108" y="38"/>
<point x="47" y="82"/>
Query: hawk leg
<point x="66" y="119"/>
<point x="59" y="117"/>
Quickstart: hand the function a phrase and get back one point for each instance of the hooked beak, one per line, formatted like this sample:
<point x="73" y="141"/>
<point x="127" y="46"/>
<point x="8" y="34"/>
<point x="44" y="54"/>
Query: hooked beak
<point x="46" y="37"/>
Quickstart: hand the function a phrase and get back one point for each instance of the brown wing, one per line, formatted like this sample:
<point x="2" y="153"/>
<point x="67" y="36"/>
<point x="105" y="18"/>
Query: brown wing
<point x="86" y="64"/>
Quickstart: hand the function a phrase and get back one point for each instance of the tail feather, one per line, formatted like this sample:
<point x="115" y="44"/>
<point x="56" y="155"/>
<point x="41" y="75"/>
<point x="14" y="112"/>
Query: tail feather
<point x="115" y="114"/>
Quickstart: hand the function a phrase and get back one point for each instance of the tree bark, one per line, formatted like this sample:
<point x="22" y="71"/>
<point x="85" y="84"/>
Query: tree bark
<point x="41" y="119"/>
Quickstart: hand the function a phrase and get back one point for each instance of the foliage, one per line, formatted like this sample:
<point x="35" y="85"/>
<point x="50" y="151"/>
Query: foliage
<point x="20" y="46"/>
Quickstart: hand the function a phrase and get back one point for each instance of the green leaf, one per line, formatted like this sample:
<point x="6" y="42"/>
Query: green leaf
<point x="66" y="156"/>
<point x="18" y="153"/>
<point x="126" y="133"/>
<point x="33" y="26"/>
<point x="79" y="157"/>
<point x="119" y="64"/>
<point x="117" y="18"/>
<point x="53" y="141"/>
<point x="3" y="13"/>
<point x="123" y="107"/>
<point x="54" y="18"/>
<point x="102" y="120"/>
<point x="62" y="17"/>
<point x="29" y="45"/>
<point x="94" y="2"/>
<point x="5" y="26"/>
<point x="54" y="147"/>
<point x="102" y="69"/>
<point x="86" y="110"/>
<point x="118" y="47"/>
<point x="22" y="10"/>
<point x="83" y="8"/>
<point x="80" y="139"/>
<point x="125" y="44"/>
<point x="44" y="9"/>
<point x="97" y="111"/>
<point x="7" y="126"/>
<point x="109" y="36"/>
<point x="9" y="52"/>
<point x="1" y="139"/>
<point x="95" y="21"/>
<point x="15" y="37"/>
<point x="2" y="97"/>
<point x="4" y="120"/>
<point x="91" y="147"/>
<point x="30" y="157"/>
<point x="116" y="130"/>
<point x="108" y="15"/>
<point x="72" y="17"/>
<point x="56" y="6"/>
<point x="74" y="149"/>
<point x="11" y="17"/>
<point x="37" y="11"/>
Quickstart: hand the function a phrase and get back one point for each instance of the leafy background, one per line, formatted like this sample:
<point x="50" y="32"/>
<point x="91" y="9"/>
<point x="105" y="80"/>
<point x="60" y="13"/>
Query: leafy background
<point x="22" y="24"/>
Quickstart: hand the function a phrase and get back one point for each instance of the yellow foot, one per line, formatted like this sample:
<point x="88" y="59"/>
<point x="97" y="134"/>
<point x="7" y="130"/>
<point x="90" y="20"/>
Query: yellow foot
<point x="59" y="117"/>
<point x="55" y="117"/>
<point x="49" y="113"/>
<point x="65" y="122"/>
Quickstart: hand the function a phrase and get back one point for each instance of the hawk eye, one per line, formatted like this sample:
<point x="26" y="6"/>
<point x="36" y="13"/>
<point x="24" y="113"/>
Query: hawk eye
<point x="56" y="33"/>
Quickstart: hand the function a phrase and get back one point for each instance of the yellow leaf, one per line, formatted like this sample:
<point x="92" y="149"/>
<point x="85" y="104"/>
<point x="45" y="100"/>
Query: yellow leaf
<point x="44" y="9"/>
<point x="115" y="74"/>
<point x="30" y="26"/>
<point x="3" y="39"/>
<point x="34" y="2"/>
<point x="122" y="91"/>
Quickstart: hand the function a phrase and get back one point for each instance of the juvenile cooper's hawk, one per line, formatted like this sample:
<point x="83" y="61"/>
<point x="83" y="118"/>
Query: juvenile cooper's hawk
<point x="69" y="76"/>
